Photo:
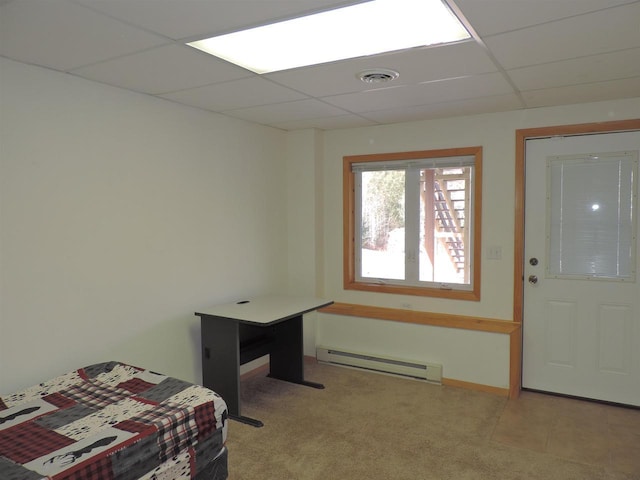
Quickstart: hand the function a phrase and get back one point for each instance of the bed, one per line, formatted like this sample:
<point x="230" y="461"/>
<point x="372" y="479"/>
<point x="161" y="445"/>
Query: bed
<point x="113" y="421"/>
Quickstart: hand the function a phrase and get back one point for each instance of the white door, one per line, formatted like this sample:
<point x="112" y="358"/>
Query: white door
<point x="581" y="319"/>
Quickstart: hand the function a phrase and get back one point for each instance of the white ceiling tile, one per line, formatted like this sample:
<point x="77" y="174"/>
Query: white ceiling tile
<point x="595" y="68"/>
<point x="327" y="123"/>
<point x="178" y="19"/>
<point x="489" y="17"/>
<point x="244" y="93"/>
<point x="499" y="103"/>
<point x="415" y="66"/>
<point x="590" y="34"/>
<point x="591" y="92"/>
<point x="423" y="94"/>
<point x="545" y="46"/>
<point x="287" y="112"/>
<point x="62" y="35"/>
<point x="163" y="69"/>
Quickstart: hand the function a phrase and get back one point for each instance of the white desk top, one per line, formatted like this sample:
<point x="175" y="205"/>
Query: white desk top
<point x="266" y="309"/>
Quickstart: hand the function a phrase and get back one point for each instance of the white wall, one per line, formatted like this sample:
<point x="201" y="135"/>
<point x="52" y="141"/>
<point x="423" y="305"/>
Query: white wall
<point x="476" y="357"/>
<point x="304" y="221"/>
<point x="120" y="216"/>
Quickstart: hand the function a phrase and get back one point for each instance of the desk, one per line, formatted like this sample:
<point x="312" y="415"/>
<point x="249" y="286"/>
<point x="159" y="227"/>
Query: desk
<point x="236" y="333"/>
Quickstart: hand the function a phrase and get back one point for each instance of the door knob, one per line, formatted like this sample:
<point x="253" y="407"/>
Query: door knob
<point x="533" y="279"/>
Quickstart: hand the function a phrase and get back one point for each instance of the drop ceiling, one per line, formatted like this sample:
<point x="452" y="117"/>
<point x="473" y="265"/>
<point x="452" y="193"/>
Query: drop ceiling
<point x="522" y="54"/>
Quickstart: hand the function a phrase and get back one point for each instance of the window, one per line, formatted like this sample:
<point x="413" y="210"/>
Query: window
<point x="412" y="222"/>
<point x="591" y="216"/>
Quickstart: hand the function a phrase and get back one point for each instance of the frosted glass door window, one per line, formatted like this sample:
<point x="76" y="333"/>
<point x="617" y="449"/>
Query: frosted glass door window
<point x="592" y="209"/>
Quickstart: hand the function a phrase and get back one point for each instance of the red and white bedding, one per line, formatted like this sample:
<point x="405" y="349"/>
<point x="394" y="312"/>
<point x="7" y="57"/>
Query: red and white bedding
<point x="113" y="421"/>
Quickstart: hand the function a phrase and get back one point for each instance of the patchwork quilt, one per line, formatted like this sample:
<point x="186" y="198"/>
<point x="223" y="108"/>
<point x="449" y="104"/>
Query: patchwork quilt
<point x="113" y="421"/>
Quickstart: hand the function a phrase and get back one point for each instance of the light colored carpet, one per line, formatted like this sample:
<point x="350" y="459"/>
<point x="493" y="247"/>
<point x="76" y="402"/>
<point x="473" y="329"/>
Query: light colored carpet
<point x="365" y="425"/>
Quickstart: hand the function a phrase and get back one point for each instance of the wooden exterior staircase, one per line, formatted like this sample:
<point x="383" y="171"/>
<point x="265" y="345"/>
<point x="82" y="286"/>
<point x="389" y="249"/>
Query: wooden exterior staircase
<point x="446" y="212"/>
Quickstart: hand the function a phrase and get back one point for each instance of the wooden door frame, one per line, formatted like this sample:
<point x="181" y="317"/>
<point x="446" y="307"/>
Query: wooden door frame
<point x="522" y="136"/>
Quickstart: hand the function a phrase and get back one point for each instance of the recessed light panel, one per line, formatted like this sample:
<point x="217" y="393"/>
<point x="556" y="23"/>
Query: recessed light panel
<point x="368" y="28"/>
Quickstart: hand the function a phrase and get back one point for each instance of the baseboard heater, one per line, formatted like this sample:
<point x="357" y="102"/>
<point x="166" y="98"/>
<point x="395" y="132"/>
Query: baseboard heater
<point x="407" y="368"/>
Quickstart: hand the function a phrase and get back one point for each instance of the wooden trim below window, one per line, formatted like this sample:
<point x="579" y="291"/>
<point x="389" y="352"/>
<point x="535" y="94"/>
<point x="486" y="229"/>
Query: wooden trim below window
<point x="422" y="318"/>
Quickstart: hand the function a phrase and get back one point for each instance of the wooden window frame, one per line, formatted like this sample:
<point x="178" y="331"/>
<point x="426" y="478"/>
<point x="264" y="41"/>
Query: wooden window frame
<point x="349" y="244"/>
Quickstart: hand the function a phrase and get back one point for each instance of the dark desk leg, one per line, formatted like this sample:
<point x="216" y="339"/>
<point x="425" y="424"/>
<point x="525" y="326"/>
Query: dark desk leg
<point x="287" y="355"/>
<point x="249" y="421"/>
<point x="221" y="363"/>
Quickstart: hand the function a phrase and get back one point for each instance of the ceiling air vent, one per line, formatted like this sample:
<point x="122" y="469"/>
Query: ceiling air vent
<point x="378" y="75"/>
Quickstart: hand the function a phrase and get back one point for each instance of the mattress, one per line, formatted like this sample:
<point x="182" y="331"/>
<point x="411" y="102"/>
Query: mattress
<point x="113" y="421"/>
